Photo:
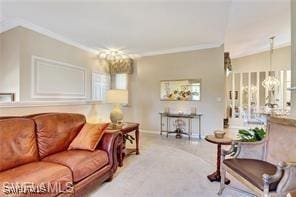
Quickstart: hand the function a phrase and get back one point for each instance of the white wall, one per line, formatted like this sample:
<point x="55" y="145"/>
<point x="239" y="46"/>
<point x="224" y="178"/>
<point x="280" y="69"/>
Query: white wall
<point x="293" y="22"/>
<point x="260" y="61"/>
<point x="9" y="63"/>
<point x="36" y="44"/>
<point x="207" y="65"/>
<point x="18" y="45"/>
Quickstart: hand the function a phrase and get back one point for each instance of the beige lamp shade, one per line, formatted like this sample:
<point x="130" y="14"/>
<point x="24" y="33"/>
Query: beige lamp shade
<point x="117" y="96"/>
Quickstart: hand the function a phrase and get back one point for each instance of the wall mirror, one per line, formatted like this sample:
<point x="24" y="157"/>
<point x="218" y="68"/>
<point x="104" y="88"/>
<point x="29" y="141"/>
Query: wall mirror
<point x="180" y="90"/>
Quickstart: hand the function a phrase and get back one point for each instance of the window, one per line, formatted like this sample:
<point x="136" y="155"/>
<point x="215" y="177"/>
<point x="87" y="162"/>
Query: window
<point x="121" y="81"/>
<point x="100" y="85"/>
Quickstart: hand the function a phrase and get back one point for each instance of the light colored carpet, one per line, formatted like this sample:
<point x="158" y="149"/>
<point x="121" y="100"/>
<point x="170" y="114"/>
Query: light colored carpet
<point x="163" y="169"/>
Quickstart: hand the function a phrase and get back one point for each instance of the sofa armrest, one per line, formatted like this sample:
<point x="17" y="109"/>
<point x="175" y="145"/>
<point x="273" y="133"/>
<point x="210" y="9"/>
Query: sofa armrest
<point x="272" y="178"/>
<point x="250" y="150"/>
<point x="111" y="142"/>
<point x="234" y="149"/>
<point x="288" y="181"/>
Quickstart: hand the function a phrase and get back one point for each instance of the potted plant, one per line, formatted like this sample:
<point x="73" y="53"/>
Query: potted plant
<point x="252" y="143"/>
<point x="251" y="135"/>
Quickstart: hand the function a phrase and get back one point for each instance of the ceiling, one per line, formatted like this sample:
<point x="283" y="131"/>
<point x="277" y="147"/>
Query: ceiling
<point x="156" y="27"/>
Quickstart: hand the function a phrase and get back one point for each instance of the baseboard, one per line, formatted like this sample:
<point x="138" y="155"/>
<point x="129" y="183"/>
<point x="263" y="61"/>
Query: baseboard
<point x="194" y="135"/>
<point x="150" y="131"/>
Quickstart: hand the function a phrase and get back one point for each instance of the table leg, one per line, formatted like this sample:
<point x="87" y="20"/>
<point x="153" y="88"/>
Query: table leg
<point x="161" y="125"/>
<point x="167" y="126"/>
<point x="216" y="175"/>
<point x="189" y="127"/>
<point x="199" y="127"/>
<point x="120" y="154"/>
<point x="137" y="141"/>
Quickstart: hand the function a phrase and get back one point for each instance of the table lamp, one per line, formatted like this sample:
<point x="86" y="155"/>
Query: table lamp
<point x="117" y="97"/>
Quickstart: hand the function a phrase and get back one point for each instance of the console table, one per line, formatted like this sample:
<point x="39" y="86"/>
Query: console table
<point x="189" y="117"/>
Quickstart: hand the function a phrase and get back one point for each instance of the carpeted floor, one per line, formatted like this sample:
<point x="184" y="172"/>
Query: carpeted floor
<point x="166" y="167"/>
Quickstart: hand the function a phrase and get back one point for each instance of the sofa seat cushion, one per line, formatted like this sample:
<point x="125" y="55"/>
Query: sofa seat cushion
<point x="82" y="162"/>
<point x="252" y="170"/>
<point x="55" y="177"/>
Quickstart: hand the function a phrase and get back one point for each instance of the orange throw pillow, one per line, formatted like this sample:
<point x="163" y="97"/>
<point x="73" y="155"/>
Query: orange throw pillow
<point x="89" y="137"/>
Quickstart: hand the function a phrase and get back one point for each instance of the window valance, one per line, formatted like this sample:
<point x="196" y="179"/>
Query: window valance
<point x="227" y="62"/>
<point x="121" y="66"/>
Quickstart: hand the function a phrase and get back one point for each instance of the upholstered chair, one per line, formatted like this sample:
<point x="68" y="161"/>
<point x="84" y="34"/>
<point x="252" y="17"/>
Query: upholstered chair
<point x="267" y="168"/>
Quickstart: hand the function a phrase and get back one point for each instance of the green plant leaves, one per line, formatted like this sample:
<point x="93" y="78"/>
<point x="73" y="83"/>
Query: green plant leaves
<point x="251" y="135"/>
<point x="128" y="137"/>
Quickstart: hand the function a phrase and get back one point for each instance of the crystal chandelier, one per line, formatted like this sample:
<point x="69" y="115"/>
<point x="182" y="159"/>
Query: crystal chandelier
<point x="113" y="55"/>
<point x="271" y="82"/>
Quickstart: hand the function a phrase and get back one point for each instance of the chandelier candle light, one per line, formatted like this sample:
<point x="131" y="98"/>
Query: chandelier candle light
<point x="271" y="82"/>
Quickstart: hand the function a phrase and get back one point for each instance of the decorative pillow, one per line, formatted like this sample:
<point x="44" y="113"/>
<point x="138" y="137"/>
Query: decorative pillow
<point x="89" y="137"/>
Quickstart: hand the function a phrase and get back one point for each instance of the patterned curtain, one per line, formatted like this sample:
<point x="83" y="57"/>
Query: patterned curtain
<point x="227" y="62"/>
<point x="121" y="66"/>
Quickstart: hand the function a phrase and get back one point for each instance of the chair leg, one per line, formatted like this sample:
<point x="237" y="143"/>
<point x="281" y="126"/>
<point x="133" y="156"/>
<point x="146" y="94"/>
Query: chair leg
<point x="266" y="190"/>
<point x="222" y="182"/>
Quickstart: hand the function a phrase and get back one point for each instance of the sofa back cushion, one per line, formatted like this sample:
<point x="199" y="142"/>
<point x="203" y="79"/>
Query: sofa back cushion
<point x="18" y="142"/>
<point x="55" y="131"/>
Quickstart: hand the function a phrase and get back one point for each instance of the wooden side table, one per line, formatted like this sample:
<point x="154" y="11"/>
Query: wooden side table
<point x="127" y="128"/>
<point x="216" y="176"/>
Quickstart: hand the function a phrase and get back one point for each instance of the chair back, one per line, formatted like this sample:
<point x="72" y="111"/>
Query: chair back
<point x="281" y="140"/>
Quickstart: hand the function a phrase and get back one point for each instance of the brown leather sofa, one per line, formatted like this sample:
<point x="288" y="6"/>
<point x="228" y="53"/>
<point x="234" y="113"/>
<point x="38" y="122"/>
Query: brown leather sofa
<point x="33" y="150"/>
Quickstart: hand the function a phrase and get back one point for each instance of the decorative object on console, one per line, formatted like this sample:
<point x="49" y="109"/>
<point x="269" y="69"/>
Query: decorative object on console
<point x="117" y="97"/>
<point x="166" y="110"/>
<point x="180" y="90"/>
<point x="180" y="127"/>
<point x="193" y="110"/>
<point x="271" y="82"/>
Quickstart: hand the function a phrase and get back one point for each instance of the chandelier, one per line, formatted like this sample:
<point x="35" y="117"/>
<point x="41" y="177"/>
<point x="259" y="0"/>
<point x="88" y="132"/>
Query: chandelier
<point x="113" y="55"/>
<point x="271" y="82"/>
<point x="119" y="62"/>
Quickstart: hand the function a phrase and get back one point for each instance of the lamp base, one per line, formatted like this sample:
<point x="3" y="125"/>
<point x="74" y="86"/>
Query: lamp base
<point x="115" y="126"/>
<point x="116" y="116"/>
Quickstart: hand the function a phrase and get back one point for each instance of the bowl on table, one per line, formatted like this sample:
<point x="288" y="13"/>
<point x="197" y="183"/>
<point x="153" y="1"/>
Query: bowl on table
<point x="219" y="134"/>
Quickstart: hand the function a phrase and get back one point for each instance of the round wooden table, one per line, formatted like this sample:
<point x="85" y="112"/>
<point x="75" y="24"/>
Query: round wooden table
<point x="215" y="176"/>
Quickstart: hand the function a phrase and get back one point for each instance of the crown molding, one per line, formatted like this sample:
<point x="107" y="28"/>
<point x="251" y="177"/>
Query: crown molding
<point x="259" y="50"/>
<point x="6" y="25"/>
<point x="181" y="49"/>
